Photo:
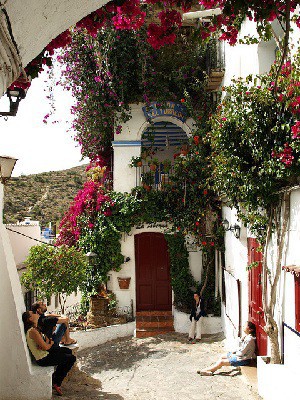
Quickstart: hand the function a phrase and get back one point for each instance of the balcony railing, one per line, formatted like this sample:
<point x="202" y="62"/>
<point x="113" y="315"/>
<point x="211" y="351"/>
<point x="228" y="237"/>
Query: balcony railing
<point x="153" y="179"/>
<point x="215" y="63"/>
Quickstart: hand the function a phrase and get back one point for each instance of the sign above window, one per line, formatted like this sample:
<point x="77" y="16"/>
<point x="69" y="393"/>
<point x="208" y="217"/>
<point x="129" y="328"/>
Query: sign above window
<point x="168" y="109"/>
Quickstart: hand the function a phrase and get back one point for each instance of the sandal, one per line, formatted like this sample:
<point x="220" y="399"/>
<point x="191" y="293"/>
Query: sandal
<point x="205" y="373"/>
<point x="57" y="390"/>
<point x="73" y="341"/>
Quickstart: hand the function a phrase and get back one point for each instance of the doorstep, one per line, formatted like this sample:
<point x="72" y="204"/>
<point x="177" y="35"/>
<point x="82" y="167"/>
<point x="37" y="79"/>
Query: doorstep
<point x="249" y="374"/>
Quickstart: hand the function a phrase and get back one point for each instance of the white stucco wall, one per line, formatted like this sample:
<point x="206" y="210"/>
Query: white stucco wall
<point x="236" y="258"/>
<point x="94" y="337"/>
<point x="128" y="144"/>
<point x="21" y="244"/>
<point x="210" y="325"/>
<point x="126" y="296"/>
<point x="18" y="379"/>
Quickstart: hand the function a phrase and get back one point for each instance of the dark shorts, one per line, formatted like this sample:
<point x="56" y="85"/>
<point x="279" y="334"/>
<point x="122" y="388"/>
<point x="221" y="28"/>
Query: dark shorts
<point x="237" y="363"/>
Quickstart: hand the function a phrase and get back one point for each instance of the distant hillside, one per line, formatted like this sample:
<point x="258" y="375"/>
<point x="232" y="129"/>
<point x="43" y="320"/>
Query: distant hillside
<point x="44" y="197"/>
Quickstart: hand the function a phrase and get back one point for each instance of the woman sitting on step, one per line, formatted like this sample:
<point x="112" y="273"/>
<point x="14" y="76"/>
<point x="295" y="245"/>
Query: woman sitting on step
<point x="242" y="356"/>
<point x="45" y="352"/>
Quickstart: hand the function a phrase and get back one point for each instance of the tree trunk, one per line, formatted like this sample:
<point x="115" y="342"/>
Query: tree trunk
<point x="62" y="302"/>
<point x="278" y="217"/>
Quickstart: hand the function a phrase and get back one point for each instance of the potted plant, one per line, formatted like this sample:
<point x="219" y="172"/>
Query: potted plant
<point x="153" y="164"/>
<point x="124" y="282"/>
<point x="167" y="165"/>
<point x="147" y="180"/>
<point x="184" y="150"/>
<point x="136" y="162"/>
<point x="145" y="153"/>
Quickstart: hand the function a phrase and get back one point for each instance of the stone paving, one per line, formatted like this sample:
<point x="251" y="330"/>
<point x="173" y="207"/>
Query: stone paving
<point x="161" y="368"/>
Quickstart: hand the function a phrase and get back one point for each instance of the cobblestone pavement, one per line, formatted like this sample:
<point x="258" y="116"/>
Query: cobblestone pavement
<point x="161" y="368"/>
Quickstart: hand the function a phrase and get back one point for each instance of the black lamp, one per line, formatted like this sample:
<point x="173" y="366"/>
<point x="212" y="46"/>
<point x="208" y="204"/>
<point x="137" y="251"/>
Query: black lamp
<point x="6" y="167"/>
<point x="91" y="256"/>
<point x="236" y="229"/>
<point x="14" y="95"/>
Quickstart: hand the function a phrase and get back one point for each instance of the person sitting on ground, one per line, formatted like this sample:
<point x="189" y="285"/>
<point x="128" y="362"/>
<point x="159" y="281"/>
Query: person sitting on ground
<point x="242" y="356"/>
<point x="53" y="326"/>
<point x="45" y="352"/>
<point x="197" y="312"/>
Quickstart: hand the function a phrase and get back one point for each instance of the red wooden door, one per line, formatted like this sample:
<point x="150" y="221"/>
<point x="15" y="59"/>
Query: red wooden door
<point x="153" y="281"/>
<point x="297" y="303"/>
<point x="256" y="314"/>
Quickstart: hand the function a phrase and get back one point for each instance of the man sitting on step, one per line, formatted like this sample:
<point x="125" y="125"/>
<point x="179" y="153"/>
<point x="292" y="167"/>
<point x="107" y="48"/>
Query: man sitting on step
<point x="54" y="326"/>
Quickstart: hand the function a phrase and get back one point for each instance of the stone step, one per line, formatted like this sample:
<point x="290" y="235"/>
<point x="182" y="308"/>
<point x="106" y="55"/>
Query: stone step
<point x="141" y="324"/>
<point x="144" y="333"/>
<point x="154" y="318"/>
<point x="153" y="313"/>
<point x="153" y="323"/>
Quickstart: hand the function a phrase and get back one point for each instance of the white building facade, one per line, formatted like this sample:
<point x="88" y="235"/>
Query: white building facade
<point x="243" y="287"/>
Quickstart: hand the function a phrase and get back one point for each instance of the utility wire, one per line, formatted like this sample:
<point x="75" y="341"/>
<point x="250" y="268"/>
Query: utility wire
<point x="29" y="237"/>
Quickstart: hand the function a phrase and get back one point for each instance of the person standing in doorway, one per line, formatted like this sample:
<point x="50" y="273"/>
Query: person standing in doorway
<point x="197" y="312"/>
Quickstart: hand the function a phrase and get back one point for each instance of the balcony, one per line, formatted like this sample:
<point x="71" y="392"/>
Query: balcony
<point x="149" y="178"/>
<point x="215" y="64"/>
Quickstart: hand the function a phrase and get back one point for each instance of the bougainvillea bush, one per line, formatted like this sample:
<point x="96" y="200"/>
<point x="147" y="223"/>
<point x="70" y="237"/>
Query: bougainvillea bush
<point x="113" y="69"/>
<point x="134" y="15"/>
<point x="255" y="140"/>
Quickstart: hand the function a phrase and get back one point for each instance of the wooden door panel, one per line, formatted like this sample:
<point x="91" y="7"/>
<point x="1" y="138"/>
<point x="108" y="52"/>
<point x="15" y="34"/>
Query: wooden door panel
<point x="145" y="297"/>
<point x="297" y="303"/>
<point x="153" y="283"/>
<point x="162" y="298"/>
<point x="256" y="314"/>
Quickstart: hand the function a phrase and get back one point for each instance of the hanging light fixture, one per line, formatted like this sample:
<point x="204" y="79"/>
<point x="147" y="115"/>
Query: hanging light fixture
<point x="6" y="167"/>
<point x="235" y="229"/>
<point x="15" y="95"/>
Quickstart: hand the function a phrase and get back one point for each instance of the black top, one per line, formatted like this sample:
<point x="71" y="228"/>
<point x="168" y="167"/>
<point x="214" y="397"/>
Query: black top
<point x="194" y="313"/>
<point x="47" y="324"/>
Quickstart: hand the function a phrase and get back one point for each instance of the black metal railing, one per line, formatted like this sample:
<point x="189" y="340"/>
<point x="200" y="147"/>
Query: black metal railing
<point x="156" y="179"/>
<point x="215" y="56"/>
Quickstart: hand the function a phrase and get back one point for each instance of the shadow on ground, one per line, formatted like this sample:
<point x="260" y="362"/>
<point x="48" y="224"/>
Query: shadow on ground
<point x="79" y="385"/>
<point x="121" y="354"/>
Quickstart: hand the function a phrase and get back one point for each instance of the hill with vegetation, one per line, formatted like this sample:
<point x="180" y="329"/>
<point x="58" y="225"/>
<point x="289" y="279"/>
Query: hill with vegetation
<point x="43" y="197"/>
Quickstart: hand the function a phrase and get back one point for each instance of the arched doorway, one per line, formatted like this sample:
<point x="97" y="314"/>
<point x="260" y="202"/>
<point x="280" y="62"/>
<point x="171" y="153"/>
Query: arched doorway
<point x="152" y="271"/>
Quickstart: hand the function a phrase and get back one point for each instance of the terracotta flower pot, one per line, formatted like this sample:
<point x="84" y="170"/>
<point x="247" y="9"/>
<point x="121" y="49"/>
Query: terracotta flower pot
<point x="146" y="187"/>
<point x="124" y="282"/>
<point x="152" y="167"/>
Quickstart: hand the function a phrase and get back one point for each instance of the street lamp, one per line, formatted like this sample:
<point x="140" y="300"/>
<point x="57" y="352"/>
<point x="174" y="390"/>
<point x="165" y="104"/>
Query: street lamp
<point x="6" y="167"/>
<point x="236" y="229"/>
<point x="15" y="95"/>
<point x="90" y="254"/>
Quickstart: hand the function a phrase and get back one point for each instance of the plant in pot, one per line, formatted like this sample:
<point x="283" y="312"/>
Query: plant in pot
<point x="184" y="149"/>
<point x="167" y="165"/>
<point x="136" y="162"/>
<point x="147" y="180"/>
<point x="153" y="164"/>
<point x="145" y="153"/>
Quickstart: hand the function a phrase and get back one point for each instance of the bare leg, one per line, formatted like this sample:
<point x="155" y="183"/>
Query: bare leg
<point x="66" y="339"/>
<point x="219" y="364"/>
<point x="223" y="361"/>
